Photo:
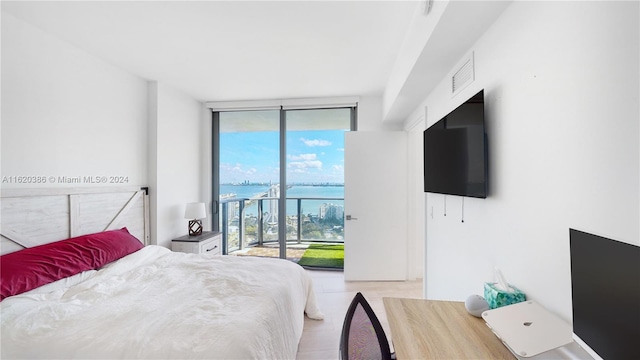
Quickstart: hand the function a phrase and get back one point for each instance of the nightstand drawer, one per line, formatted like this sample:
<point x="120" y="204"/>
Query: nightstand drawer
<point x="211" y="246"/>
<point x="210" y="242"/>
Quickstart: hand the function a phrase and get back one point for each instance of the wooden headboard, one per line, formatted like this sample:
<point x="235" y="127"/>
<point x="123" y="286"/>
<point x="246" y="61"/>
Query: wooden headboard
<point x="31" y="217"/>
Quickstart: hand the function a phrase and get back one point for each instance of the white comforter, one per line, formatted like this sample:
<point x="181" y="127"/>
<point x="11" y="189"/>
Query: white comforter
<point x="159" y="304"/>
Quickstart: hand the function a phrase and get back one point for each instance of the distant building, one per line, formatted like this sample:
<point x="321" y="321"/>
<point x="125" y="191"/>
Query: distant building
<point x="329" y="211"/>
<point x="273" y="192"/>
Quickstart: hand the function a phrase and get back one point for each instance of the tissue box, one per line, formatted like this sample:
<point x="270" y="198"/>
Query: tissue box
<point x="497" y="298"/>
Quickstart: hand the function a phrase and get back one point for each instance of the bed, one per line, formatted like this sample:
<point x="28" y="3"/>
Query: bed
<point x="109" y="296"/>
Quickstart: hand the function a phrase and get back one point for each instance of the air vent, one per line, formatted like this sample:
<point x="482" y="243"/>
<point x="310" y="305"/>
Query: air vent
<point x="463" y="77"/>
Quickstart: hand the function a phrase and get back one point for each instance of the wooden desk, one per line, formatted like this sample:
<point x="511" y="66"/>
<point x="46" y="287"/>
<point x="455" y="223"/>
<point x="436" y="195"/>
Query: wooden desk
<point x="428" y="329"/>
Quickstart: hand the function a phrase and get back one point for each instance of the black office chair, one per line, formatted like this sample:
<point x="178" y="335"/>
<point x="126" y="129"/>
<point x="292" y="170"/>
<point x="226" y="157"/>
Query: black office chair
<point x="362" y="335"/>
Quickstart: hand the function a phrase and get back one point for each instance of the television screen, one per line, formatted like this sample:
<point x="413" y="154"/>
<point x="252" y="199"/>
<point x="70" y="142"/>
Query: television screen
<point x="455" y="155"/>
<point x="605" y="292"/>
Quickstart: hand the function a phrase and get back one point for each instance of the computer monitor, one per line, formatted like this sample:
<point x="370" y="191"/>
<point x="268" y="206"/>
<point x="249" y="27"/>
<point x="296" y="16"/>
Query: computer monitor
<point x="605" y="291"/>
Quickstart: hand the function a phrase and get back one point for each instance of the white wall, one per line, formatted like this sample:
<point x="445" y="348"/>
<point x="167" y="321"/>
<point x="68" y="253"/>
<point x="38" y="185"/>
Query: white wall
<point x="562" y="85"/>
<point x="175" y="160"/>
<point x="415" y="201"/>
<point x="66" y="113"/>
<point x="370" y="115"/>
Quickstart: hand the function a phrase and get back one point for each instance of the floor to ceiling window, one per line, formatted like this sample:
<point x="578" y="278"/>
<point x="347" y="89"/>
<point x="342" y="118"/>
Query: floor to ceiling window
<point x="249" y="176"/>
<point x="249" y="150"/>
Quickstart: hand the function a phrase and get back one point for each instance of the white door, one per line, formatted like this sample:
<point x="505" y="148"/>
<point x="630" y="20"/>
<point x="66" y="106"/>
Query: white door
<point x="375" y="199"/>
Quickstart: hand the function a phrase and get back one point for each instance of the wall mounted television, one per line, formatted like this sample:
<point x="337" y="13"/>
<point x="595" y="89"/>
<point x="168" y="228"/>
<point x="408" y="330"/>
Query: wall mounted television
<point x="455" y="152"/>
<point x="605" y="295"/>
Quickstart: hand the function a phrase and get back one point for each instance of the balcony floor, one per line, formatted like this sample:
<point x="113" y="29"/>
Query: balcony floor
<point x="293" y="253"/>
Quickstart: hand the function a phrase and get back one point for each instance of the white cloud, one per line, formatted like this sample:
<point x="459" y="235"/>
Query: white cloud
<point x="303" y="157"/>
<point x="237" y="169"/>
<point x="315" y="142"/>
<point x="309" y="164"/>
<point x="300" y="163"/>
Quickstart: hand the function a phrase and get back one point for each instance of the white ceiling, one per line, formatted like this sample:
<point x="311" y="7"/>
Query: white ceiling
<point x="237" y="50"/>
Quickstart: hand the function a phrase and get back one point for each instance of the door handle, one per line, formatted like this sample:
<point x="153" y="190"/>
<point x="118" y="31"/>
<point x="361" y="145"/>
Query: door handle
<point x="349" y="217"/>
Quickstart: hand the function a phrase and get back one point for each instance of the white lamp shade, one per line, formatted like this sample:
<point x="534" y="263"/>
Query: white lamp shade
<point x="195" y="211"/>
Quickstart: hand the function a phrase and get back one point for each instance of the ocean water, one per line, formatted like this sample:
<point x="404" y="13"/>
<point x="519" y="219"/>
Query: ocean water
<point x="309" y="206"/>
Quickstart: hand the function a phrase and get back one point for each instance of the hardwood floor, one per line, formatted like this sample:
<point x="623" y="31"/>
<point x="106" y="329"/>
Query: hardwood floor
<point x="320" y="339"/>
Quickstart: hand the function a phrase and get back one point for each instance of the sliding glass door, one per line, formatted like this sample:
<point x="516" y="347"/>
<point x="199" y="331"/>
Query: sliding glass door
<point x="315" y="174"/>
<point x="249" y="177"/>
<point x="278" y="177"/>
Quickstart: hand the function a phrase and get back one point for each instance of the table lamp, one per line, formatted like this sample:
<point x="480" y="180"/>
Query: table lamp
<point x="194" y="212"/>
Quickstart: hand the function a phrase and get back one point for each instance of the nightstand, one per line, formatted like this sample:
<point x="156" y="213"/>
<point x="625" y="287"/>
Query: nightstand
<point x="210" y="242"/>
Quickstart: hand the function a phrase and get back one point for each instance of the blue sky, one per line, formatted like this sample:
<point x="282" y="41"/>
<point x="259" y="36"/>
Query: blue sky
<point x="312" y="156"/>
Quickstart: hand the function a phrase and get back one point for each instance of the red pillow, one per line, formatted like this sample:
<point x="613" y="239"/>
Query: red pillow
<point x="30" y="268"/>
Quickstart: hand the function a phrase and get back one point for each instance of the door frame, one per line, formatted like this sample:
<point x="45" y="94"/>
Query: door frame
<point x="282" y="202"/>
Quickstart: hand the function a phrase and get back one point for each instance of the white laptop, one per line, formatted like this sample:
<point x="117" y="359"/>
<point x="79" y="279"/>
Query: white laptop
<point x="527" y="329"/>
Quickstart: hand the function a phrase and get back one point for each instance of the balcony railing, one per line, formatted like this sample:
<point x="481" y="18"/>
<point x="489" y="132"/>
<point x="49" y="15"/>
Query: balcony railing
<point x="249" y="222"/>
